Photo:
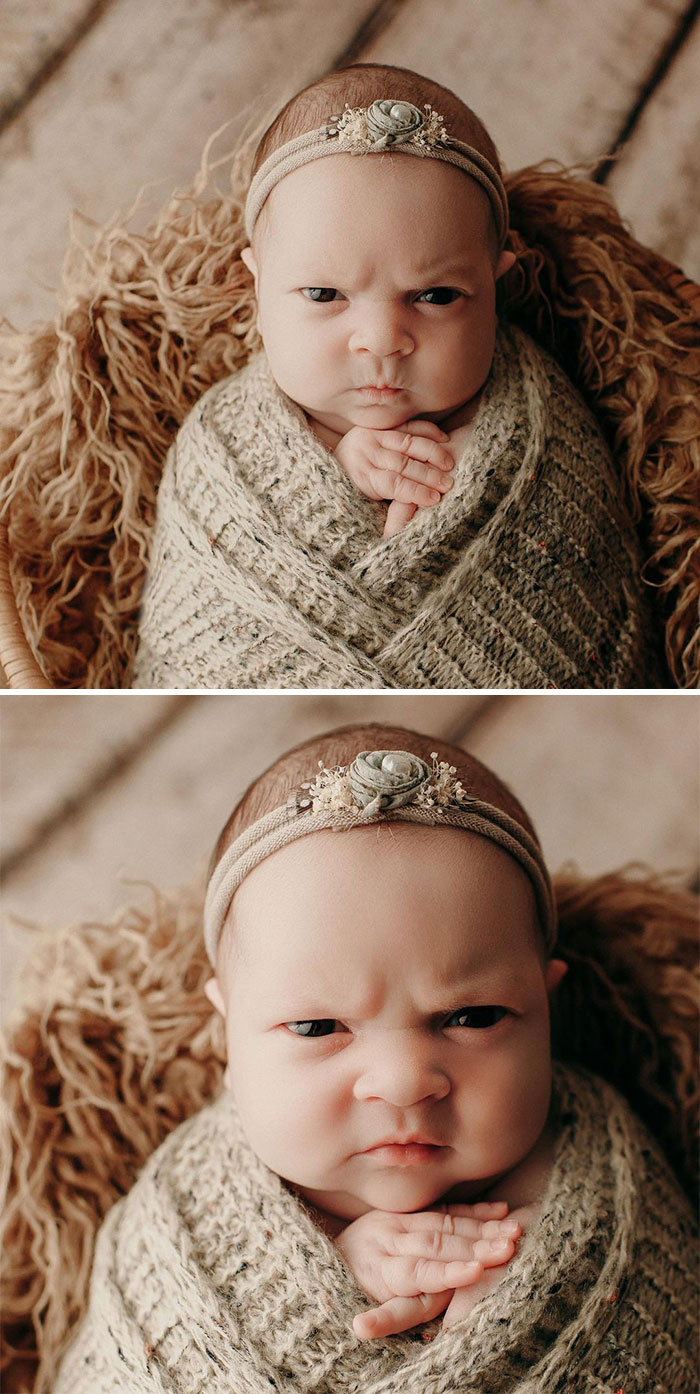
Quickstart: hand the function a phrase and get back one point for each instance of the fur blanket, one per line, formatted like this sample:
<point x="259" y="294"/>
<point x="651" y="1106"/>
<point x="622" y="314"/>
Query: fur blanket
<point x="211" y="1275"/>
<point x="268" y="567"/>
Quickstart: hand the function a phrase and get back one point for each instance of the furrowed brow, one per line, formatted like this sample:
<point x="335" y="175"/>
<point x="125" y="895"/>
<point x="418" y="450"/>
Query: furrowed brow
<point x="437" y="272"/>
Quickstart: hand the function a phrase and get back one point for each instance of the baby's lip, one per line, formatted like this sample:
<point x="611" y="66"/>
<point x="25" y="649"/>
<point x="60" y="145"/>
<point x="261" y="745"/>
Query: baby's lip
<point x="404" y="1152"/>
<point x="379" y="387"/>
<point x="416" y="1139"/>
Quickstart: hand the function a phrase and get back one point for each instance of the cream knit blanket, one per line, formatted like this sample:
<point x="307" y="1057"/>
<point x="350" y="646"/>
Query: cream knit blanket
<point x="210" y="1276"/>
<point x="268" y="567"/>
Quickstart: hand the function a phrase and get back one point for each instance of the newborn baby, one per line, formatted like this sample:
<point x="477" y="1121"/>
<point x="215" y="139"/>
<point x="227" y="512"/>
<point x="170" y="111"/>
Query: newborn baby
<point x="384" y="1071"/>
<point x="398" y="491"/>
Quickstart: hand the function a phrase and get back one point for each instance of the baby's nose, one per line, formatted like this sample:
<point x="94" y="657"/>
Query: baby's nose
<point x="380" y="330"/>
<point x="401" y="1074"/>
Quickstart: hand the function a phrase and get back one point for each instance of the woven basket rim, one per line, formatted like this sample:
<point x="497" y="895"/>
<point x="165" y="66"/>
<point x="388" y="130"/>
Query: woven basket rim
<point x="17" y="659"/>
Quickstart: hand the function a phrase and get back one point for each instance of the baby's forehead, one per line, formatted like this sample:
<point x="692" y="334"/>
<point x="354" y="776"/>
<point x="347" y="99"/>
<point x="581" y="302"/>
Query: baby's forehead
<point x="351" y="199"/>
<point x="439" y="895"/>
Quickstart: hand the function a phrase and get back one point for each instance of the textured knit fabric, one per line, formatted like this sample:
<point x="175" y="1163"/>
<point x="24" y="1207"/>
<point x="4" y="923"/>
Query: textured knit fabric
<point x="268" y="567"/>
<point x="211" y="1276"/>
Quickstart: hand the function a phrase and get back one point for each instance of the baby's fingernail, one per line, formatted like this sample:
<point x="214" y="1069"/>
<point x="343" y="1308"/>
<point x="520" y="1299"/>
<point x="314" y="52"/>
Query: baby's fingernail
<point x="509" y="1227"/>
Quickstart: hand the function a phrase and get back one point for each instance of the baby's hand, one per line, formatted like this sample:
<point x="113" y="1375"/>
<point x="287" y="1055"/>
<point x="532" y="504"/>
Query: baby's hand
<point x="411" y="465"/>
<point x="413" y="1263"/>
<point x="464" y="1299"/>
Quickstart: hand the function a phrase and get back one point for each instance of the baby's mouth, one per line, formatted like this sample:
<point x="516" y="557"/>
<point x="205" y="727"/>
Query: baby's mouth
<point x="380" y="394"/>
<point x="404" y="1153"/>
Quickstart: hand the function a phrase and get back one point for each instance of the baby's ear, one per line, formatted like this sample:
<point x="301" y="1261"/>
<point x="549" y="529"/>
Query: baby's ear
<point x="556" y="970"/>
<point x="504" y="263"/>
<point x="248" y="259"/>
<point x="213" y="992"/>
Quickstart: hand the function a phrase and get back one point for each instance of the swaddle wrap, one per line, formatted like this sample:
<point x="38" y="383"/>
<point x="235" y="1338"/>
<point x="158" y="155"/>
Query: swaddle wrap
<point x="210" y="1275"/>
<point x="268" y="568"/>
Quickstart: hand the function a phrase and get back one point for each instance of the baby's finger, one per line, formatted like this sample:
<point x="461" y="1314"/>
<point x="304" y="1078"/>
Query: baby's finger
<point x="412" y="491"/>
<point x="423" y="1244"/>
<point x="433" y="452"/>
<point x="399" y="1314"/>
<point x="420" y="427"/>
<point x="397" y="516"/>
<point x="386" y="485"/>
<point x="437" y="1222"/>
<point x="418" y="471"/>
<point x="407" y="1276"/>
<point x="493" y="1252"/>
<point x="481" y="1210"/>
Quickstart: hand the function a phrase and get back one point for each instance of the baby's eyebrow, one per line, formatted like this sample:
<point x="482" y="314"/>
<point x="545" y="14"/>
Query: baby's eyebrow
<point x="446" y="995"/>
<point x="445" y="268"/>
<point x="434" y="274"/>
<point x="486" y="976"/>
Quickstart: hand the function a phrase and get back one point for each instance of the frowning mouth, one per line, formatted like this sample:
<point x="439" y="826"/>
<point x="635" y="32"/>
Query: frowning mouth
<point x="380" y="393"/>
<point x="413" y="1152"/>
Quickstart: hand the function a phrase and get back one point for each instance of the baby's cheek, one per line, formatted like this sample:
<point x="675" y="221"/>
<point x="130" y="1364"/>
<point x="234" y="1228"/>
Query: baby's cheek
<point x="290" y="1119"/>
<point x="516" y="1104"/>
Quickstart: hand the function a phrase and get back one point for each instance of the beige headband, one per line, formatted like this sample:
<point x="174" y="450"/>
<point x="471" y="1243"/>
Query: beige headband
<point x="379" y="786"/>
<point x="385" y="125"/>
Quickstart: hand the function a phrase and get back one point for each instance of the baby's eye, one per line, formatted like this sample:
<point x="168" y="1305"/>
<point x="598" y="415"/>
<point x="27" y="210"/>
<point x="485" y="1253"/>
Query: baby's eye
<point x="440" y="295"/>
<point x="321" y="295"/>
<point x="476" y="1017"/>
<point x="323" y="1026"/>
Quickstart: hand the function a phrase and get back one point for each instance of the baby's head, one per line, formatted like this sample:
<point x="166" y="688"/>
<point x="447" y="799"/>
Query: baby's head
<point x="385" y="982"/>
<point x="377" y="270"/>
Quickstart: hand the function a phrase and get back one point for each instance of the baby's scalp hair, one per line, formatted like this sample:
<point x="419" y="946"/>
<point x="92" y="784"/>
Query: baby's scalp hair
<point x="360" y="84"/>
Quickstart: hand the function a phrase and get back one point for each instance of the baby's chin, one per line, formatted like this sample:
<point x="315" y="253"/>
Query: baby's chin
<point x="405" y="1189"/>
<point x="388" y="416"/>
<point x="399" y="1194"/>
<point x="409" y="1193"/>
<point x="379" y="416"/>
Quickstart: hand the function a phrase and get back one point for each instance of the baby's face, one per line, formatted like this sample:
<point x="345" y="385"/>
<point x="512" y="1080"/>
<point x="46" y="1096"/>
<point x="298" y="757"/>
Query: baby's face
<point x="371" y="273"/>
<point x="387" y="984"/>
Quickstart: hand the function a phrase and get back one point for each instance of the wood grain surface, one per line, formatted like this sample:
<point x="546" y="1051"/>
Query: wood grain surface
<point x="549" y="80"/>
<point x="656" y="182"/>
<point x="34" y="37"/>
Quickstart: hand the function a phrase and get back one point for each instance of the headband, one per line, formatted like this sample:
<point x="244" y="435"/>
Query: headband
<point x="379" y="786"/>
<point x="385" y="125"/>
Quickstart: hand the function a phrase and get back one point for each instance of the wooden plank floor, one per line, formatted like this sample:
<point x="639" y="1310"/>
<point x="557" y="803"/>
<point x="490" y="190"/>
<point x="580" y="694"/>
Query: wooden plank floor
<point x="99" y="791"/>
<point x="657" y="182"/>
<point x="99" y="97"/>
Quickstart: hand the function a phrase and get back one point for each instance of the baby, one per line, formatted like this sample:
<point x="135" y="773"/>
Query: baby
<point x="385" y="1071"/>
<point x="398" y="491"/>
<point x="394" y="1141"/>
<point x="388" y="347"/>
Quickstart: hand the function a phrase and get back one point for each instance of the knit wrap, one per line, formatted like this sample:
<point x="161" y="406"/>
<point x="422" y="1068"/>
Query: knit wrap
<point x="211" y="1276"/>
<point x="268" y="567"/>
